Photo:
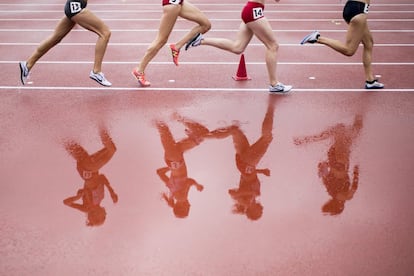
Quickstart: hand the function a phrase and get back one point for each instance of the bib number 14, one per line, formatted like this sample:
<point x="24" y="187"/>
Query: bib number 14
<point x="257" y="13"/>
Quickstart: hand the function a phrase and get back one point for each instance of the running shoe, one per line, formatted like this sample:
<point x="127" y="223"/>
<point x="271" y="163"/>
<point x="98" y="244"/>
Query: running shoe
<point x="311" y="38"/>
<point x="141" y="78"/>
<point x="24" y="72"/>
<point x="175" y="53"/>
<point x="373" y="85"/>
<point x="99" y="78"/>
<point x="195" y="41"/>
<point x="279" y="88"/>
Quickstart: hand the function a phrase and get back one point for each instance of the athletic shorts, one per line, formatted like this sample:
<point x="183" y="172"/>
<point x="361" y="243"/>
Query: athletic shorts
<point x="73" y="7"/>
<point x="252" y="11"/>
<point x="172" y="2"/>
<point x="353" y="8"/>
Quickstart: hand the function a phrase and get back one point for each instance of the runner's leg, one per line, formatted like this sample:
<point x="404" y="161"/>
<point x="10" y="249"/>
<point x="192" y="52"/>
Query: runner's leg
<point x="192" y="13"/>
<point x="91" y="22"/>
<point x="168" y="19"/>
<point x="64" y="26"/>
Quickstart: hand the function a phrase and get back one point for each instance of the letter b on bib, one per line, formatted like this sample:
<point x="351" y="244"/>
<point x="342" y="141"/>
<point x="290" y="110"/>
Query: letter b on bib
<point x="75" y="7"/>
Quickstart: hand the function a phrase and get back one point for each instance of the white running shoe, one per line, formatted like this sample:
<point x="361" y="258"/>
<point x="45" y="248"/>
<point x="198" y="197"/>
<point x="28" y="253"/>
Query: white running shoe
<point x="311" y="38"/>
<point x="195" y="41"/>
<point x="373" y="85"/>
<point x="99" y="78"/>
<point x="280" y="88"/>
<point x="24" y="72"/>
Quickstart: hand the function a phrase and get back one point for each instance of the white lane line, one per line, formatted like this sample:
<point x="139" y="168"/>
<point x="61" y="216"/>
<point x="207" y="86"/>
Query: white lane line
<point x="103" y="89"/>
<point x="220" y="19"/>
<point x="208" y="4"/>
<point x="147" y="44"/>
<point x="221" y="63"/>
<point x="213" y="31"/>
<point x="157" y="11"/>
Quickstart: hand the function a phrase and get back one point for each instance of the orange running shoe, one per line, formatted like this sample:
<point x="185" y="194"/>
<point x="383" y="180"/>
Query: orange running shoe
<point x="141" y="78"/>
<point x="175" y="53"/>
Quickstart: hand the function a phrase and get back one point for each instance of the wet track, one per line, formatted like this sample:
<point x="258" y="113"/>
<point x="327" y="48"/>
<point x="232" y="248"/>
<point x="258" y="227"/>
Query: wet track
<point x="318" y="182"/>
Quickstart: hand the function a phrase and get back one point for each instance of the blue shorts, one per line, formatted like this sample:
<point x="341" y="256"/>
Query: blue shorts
<point x="73" y="7"/>
<point x="353" y="8"/>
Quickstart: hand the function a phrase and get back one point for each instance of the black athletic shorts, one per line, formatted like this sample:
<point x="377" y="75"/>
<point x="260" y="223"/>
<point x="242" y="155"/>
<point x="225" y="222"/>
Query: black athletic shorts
<point x="353" y="8"/>
<point x="73" y="7"/>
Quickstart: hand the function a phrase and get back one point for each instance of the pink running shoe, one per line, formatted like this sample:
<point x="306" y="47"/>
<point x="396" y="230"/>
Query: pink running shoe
<point x="141" y="78"/>
<point x="175" y="53"/>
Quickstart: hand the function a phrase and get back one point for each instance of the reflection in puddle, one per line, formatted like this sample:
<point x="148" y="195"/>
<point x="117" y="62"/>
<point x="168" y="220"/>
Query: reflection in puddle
<point x="334" y="171"/>
<point x="178" y="182"/>
<point x="247" y="157"/>
<point x="88" y="166"/>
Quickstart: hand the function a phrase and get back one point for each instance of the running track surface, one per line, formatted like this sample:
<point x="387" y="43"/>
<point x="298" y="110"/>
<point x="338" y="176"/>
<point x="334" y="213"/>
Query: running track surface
<point x="39" y="235"/>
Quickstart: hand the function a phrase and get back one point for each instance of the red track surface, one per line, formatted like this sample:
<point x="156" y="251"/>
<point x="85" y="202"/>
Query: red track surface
<point x="39" y="235"/>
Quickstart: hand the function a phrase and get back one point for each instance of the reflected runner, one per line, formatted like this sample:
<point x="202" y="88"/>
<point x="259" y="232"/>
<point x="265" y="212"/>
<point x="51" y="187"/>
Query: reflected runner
<point x="246" y="196"/>
<point x="92" y="192"/>
<point x="178" y="181"/>
<point x="334" y="172"/>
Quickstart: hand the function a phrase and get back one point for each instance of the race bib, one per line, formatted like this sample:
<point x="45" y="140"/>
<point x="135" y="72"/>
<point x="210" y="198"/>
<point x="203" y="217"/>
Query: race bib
<point x="86" y="175"/>
<point x="175" y="165"/>
<point x="75" y="7"/>
<point x="249" y="169"/>
<point x="174" y="2"/>
<point x="366" y="8"/>
<point x="257" y="13"/>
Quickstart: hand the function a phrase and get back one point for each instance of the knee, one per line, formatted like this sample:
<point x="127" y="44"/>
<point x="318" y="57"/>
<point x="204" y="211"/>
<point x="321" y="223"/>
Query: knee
<point x="369" y="44"/>
<point x="160" y="42"/>
<point x="238" y="50"/>
<point x="274" y="47"/>
<point x="156" y="45"/>
<point x="110" y="145"/>
<point x="112" y="148"/>
<point x="106" y="34"/>
<point x="349" y="52"/>
<point x="205" y="27"/>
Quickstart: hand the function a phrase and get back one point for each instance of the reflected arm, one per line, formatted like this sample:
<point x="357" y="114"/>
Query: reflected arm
<point x="195" y="183"/>
<point x="355" y="180"/>
<point x="114" y="196"/>
<point x="70" y="201"/>
<point x="313" y="138"/>
<point x="162" y="173"/>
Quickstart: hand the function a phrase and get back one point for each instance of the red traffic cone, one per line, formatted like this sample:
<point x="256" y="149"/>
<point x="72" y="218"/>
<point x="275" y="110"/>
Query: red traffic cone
<point x="241" y="71"/>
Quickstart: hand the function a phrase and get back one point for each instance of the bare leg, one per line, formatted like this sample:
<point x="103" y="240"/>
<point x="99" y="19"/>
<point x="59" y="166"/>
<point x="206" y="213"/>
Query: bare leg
<point x="368" y="43"/>
<point x="354" y="36"/>
<point x="256" y="151"/>
<point x="358" y="32"/>
<point x="62" y="29"/>
<point x="240" y="142"/>
<point x="236" y="46"/>
<point x="168" y="19"/>
<point x="91" y="22"/>
<point x="263" y="31"/>
<point x="172" y="150"/>
<point x="192" y="13"/>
